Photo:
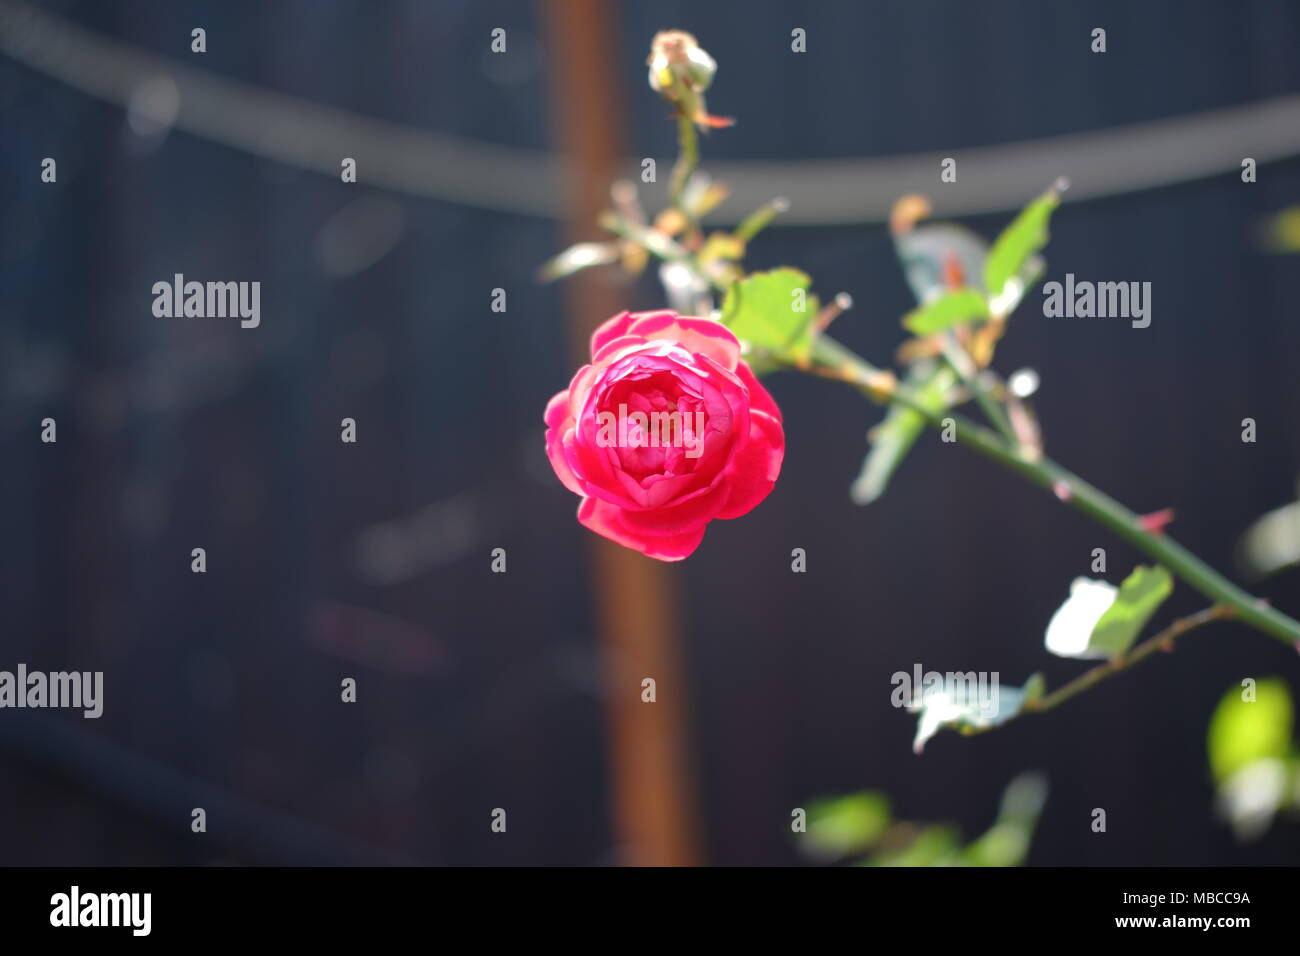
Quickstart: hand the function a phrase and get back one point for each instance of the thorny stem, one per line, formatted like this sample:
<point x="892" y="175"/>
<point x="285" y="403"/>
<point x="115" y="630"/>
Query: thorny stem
<point x="961" y="364"/>
<point x="832" y="360"/>
<point x="1164" y="641"/>
<point x="835" y="361"/>
<point x="653" y="241"/>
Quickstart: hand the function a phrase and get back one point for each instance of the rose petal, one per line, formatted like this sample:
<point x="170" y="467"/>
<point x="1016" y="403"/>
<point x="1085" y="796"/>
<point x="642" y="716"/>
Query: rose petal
<point x="759" y="397"/>
<point x="609" y="349"/>
<point x="701" y="336"/>
<point x="557" y="410"/>
<point x="605" y="520"/>
<point x="610" y="329"/>
<point x="753" y="471"/>
<point x="683" y="514"/>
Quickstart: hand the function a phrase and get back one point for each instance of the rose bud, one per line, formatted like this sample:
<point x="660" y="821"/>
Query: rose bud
<point x="680" y="72"/>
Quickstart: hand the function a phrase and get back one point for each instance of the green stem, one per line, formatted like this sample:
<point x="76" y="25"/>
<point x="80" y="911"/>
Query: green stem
<point x="1070" y="488"/>
<point x="688" y="157"/>
<point x="965" y="368"/>
<point x="652" y="241"/>
<point x="1164" y="641"/>
<point x="839" y="362"/>
<point x="760" y="218"/>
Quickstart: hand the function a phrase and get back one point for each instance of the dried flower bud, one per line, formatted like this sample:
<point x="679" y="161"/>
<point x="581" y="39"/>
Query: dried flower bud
<point x="680" y="72"/>
<point x="677" y="59"/>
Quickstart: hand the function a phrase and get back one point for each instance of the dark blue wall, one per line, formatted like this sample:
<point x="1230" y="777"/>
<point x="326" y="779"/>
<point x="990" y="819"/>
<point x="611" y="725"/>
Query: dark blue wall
<point x="479" y="690"/>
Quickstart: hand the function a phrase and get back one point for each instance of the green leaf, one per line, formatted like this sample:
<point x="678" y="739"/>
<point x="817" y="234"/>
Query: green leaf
<point x="1139" y="596"/>
<point x="843" y="825"/>
<point x="1005" y="302"/>
<point x="577" y="257"/>
<point x="1252" y="757"/>
<point x="761" y="365"/>
<point x="936" y="845"/>
<point x="962" y="305"/>
<point x="1020" y="242"/>
<point x="1272" y="543"/>
<point x="946" y="706"/>
<point x="1243" y="732"/>
<point x="897" y="433"/>
<point x="1281" y="232"/>
<point x="1099" y="620"/>
<point x="762" y="310"/>
<point x="1006" y="843"/>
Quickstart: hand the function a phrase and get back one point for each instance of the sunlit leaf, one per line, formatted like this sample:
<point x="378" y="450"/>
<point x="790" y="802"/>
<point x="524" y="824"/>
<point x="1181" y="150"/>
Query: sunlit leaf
<point x="1020" y="241"/>
<point x="936" y="845"/>
<point x="1252" y="756"/>
<point x="1006" y="843"/>
<point x="849" y="826"/>
<point x="764" y="310"/>
<point x="1281" y="231"/>
<point x="577" y="257"/>
<point x="722" y="245"/>
<point x="1252" y="796"/>
<point x="955" y="308"/>
<point x="1272" y="543"/>
<point x="1014" y="289"/>
<point x="1099" y="620"/>
<point x="1243" y="731"/>
<point x="1069" y="632"/>
<point x="947" y="706"/>
<point x="1139" y="596"/>
<point x="843" y="825"/>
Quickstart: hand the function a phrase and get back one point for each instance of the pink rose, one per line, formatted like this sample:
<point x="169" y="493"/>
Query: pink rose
<point x="664" y="431"/>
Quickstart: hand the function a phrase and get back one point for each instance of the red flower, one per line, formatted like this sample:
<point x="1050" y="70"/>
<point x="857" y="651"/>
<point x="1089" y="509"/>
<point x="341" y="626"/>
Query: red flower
<point x="664" y="431"/>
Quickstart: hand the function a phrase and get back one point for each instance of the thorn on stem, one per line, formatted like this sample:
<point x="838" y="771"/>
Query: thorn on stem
<point x="832" y="311"/>
<point x="1156" y="522"/>
<point x="954" y="277"/>
<point x="1062" y="490"/>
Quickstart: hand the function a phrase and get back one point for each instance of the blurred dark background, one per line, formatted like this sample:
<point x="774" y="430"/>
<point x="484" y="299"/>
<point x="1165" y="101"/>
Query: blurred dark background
<point x="480" y="690"/>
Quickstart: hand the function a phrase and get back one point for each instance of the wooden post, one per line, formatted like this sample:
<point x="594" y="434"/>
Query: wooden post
<point x="636" y="596"/>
